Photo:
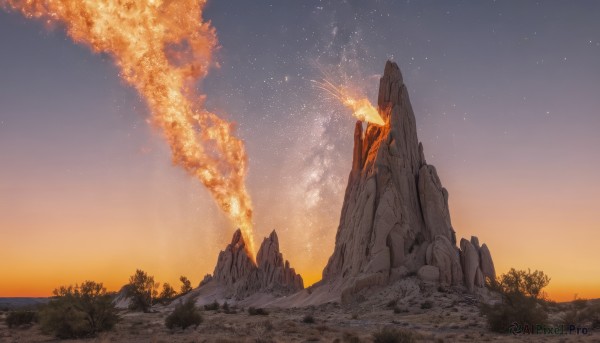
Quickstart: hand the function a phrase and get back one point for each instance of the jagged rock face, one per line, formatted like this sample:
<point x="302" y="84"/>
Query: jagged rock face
<point x="395" y="217"/>
<point x="241" y="277"/>
<point x="275" y="274"/>
<point x="381" y="226"/>
<point x="236" y="270"/>
<point x="486" y="263"/>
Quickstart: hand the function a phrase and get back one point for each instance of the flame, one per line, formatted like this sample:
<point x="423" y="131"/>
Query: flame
<point x="361" y="107"/>
<point x="162" y="49"/>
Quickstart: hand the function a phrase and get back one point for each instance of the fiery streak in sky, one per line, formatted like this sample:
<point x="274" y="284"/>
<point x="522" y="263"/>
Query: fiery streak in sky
<point x="361" y="107"/>
<point x="162" y="48"/>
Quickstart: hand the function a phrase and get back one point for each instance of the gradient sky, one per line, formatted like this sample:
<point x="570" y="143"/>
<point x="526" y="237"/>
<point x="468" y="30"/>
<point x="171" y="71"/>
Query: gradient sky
<point x="506" y="101"/>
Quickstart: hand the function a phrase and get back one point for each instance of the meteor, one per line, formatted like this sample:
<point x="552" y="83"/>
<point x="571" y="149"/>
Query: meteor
<point x="163" y="48"/>
<point x="361" y="107"/>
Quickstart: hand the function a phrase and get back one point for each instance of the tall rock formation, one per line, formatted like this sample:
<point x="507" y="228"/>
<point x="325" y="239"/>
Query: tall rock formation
<point x="239" y="277"/>
<point x="395" y="216"/>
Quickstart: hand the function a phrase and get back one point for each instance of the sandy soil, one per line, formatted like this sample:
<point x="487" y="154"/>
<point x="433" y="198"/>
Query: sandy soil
<point x="452" y="318"/>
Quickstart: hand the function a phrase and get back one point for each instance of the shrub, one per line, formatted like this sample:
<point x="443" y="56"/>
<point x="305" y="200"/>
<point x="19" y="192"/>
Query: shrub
<point x="308" y="319"/>
<point x="426" y="305"/>
<point x="522" y="299"/>
<point x="392" y="303"/>
<point x="186" y="285"/>
<point x="79" y="311"/>
<point x="167" y="294"/>
<point x="391" y="335"/>
<point x="400" y="310"/>
<point x="142" y="290"/>
<point x="184" y="315"/>
<point x="257" y="311"/>
<point x="212" y="307"/>
<point x="20" y="318"/>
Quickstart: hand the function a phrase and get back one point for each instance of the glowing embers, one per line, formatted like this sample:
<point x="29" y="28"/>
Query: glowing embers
<point x="361" y="106"/>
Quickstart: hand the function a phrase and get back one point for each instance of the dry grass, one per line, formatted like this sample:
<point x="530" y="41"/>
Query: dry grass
<point x="356" y="324"/>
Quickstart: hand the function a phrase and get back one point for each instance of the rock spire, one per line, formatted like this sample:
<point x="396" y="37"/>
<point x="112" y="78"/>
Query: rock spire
<point x="395" y="217"/>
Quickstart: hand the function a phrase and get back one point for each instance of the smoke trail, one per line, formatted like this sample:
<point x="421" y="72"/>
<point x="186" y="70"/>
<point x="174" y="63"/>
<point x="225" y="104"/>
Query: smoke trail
<point x="162" y="48"/>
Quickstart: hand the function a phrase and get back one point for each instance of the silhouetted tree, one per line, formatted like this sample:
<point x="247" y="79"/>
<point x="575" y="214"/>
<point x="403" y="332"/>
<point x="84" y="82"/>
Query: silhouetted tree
<point x="142" y="291"/>
<point x="522" y="296"/>
<point x="186" y="285"/>
<point x="79" y="311"/>
<point x="167" y="294"/>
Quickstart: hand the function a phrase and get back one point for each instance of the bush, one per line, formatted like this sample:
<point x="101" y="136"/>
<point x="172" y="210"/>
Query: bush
<point x="184" y="315"/>
<point x="80" y="311"/>
<point x="426" y="305"/>
<point x="167" y="294"/>
<point x="142" y="290"/>
<point x="20" y="318"/>
<point x="257" y="311"/>
<point x="392" y="303"/>
<point x="391" y="335"/>
<point x="212" y="307"/>
<point x="186" y="285"/>
<point x="400" y="310"/>
<point x="308" y="319"/>
<point x="522" y="299"/>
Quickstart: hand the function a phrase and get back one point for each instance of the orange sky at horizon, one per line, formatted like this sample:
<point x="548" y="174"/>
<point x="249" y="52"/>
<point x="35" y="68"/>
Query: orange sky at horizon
<point x="50" y="260"/>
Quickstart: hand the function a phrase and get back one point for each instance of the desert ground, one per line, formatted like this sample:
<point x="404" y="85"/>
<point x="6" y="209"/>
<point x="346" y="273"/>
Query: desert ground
<point x="432" y="316"/>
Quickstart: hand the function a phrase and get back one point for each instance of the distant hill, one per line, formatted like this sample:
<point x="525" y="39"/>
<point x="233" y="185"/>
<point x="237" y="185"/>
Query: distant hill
<point x="19" y="302"/>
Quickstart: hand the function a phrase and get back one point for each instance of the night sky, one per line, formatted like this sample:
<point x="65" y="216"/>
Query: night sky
<point x="506" y="98"/>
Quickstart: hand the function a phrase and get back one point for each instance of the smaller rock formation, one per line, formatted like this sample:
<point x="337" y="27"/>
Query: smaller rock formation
<point x="486" y="263"/>
<point x="474" y="261"/>
<point x="235" y="270"/>
<point x="239" y="277"/>
<point x="275" y="274"/>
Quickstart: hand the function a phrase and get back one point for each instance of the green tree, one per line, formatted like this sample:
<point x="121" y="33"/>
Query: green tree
<point x="186" y="285"/>
<point x="522" y="299"/>
<point x="79" y="311"/>
<point x="143" y="291"/>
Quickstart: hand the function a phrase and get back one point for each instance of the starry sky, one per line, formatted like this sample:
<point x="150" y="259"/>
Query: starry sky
<point x="505" y="96"/>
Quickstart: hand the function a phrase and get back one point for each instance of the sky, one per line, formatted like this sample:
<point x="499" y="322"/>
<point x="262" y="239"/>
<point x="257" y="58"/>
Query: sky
<point x="505" y="96"/>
